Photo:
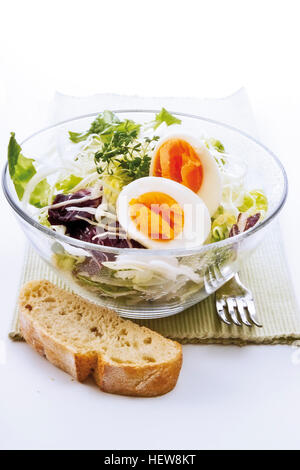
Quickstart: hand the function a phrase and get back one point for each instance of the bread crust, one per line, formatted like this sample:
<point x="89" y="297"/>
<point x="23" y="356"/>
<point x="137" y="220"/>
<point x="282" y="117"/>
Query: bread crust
<point x="147" y="380"/>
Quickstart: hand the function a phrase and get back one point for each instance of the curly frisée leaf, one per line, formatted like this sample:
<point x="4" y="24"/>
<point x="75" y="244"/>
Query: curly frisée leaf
<point x="114" y="185"/>
<point x="21" y="169"/>
<point x="254" y="201"/>
<point x="165" y="116"/>
<point x="102" y="122"/>
<point x="77" y="137"/>
<point x="216" y="144"/>
<point x="105" y="125"/>
<point x="221" y="226"/>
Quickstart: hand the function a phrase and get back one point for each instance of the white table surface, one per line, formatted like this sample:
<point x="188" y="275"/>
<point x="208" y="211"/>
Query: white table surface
<point x="226" y="397"/>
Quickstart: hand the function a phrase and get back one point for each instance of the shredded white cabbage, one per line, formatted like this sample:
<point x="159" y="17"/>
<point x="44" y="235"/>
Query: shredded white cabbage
<point x="141" y="268"/>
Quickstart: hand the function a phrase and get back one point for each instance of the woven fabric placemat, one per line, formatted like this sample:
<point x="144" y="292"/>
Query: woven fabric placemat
<point x="265" y="273"/>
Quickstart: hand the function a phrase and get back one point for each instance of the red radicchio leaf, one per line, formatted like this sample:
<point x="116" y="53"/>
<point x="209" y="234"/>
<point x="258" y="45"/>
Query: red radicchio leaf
<point x="88" y="233"/>
<point x="84" y="231"/>
<point x="244" y="222"/>
<point x="252" y="220"/>
<point x="62" y="216"/>
<point x="93" y="264"/>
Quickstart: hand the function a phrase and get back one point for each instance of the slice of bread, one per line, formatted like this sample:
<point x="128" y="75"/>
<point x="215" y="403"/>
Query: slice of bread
<point x="83" y="339"/>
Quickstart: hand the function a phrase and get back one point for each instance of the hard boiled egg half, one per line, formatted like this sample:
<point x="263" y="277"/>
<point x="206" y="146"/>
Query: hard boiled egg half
<point x="184" y="159"/>
<point x="160" y="213"/>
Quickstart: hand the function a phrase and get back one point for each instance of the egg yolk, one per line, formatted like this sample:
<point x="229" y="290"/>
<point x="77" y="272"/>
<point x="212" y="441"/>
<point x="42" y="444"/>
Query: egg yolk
<point x="157" y="215"/>
<point x="177" y="160"/>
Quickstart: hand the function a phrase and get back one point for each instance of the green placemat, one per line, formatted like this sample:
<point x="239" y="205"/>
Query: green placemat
<point x="267" y="275"/>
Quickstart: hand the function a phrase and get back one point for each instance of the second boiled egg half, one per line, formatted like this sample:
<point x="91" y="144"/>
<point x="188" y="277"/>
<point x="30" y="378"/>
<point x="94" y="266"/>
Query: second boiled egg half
<point x="161" y="213"/>
<point x="186" y="160"/>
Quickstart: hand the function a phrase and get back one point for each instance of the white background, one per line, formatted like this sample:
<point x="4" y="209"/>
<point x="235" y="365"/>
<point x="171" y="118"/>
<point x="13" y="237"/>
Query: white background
<point x="226" y="397"/>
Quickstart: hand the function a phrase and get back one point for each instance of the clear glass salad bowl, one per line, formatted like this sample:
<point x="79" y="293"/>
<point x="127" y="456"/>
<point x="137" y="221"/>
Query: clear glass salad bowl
<point x="172" y="279"/>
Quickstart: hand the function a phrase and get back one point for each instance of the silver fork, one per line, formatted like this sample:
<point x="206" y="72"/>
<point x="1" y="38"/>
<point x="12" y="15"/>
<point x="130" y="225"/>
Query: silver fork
<point x="234" y="302"/>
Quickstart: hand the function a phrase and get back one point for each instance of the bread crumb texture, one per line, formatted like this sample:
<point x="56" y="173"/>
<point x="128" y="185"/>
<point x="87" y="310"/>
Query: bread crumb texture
<point x="83" y="338"/>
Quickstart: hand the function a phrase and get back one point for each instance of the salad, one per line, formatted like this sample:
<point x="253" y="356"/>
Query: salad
<point x="145" y="186"/>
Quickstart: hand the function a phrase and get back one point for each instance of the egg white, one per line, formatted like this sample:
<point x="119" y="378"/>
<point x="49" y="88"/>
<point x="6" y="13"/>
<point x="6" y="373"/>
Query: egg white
<point x="197" y="223"/>
<point x="211" y="187"/>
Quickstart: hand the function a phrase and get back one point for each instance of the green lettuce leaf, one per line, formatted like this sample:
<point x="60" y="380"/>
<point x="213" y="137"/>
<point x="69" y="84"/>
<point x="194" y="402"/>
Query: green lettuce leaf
<point x="66" y="261"/>
<point x="43" y="219"/>
<point x="165" y="116"/>
<point x="67" y="184"/>
<point x="40" y="195"/>
<point x="21" y="169"/>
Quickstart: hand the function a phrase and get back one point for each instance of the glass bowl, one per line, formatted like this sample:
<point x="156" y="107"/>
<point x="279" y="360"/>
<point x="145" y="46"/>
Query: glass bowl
<point x="170" y="290"/>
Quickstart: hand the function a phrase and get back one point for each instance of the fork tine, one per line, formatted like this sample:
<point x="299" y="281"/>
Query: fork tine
<point x="220" y="276"/>
<point x="209" y="281"/>
<point x="213" y="278"/>
<point x="217" y="272"/>
<point x="234" y="301"/>
<point x="242" y="313"/>
<point x="221" y="312"/>
<point x="252" y="312"/>
<point x="231" y="304"/>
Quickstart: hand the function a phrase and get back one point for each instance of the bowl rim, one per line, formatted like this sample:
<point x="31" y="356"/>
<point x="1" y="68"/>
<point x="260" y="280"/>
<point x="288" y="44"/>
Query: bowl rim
<point x="148" y="252"/>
